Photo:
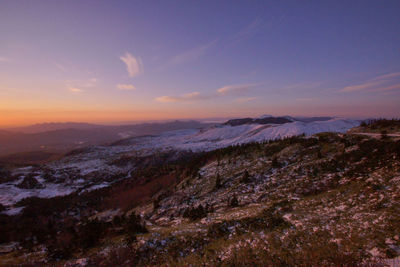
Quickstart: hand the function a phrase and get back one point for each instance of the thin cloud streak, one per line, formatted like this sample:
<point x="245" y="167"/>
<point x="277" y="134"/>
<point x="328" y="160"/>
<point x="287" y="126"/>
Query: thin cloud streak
<point x="192" y="54"/>
<point x="245" y="99"/>
<point x="183" y="98"/>
<point x="228" y="90"/>
<point x="235" y="89"/>
<point x="134" y="66"/>
<point x="249" y="30"/>
<point x="75" y="90"/>
<point x="360" y="87"/>
<point x="89" y="83"/>
<point x="387" y="88"/>
<point x="306" y="99"/>
<point x="379" y="83"/>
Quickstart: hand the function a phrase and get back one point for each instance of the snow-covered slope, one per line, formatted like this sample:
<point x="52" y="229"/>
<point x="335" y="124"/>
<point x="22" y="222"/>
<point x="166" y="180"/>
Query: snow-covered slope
<point x="98" y="158"/>
<point x="225" y="135"/>
<point x="85" y="169"/>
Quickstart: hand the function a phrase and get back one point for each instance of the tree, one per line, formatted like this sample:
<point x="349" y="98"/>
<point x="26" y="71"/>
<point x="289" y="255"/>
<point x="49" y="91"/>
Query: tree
<point x="384" y="135"/>
<point x="275" y="163"/>
<point x="233" y="202"/>
<point x="195" y="213"/>
<point x="218" y="183"/>
<point x="90" y="233"/>
<point x="134" y="226"/>
<point x="246" y="177"/>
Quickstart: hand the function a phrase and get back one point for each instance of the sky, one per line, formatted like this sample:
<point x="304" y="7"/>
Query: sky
<point x="119" y="61"/>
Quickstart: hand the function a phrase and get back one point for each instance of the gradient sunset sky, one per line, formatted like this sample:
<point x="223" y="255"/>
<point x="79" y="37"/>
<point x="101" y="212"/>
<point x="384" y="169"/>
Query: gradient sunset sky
<point x="120" y="61"/>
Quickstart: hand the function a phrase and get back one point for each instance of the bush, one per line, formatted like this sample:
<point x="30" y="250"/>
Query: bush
<point x="89" y="234"/>
<point x="218" y="183"/>
<point x="195" y="213"/>
<point x="134" y="226"/>
<point x="275" y="163"/>
<point x="233" y="202"/>
<point x="245" y="178"/>
<point x="384" y="135"/>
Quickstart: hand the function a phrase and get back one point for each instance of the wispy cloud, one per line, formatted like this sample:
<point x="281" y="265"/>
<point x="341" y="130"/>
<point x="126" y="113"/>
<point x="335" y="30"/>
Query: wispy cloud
<point x="182" y="98"/>
<point x="388" y="76"/>
<point x="360" y="87"/>
<point x="75" y="90"/>
<point x="303" y="85"/>
<point x="76" y="86"/>
<point x="88" y="83"/>
<point x="134" y="66"/>
<point x="126" y="87"/>
<point x="306" y="99"/>
<point x="228" y="90"/>
<point x="387" y="88"/>
<point x="380" y="83"/>
<point x="249" y="30"/>
<point x="245" y="99"/>
<point x="235" y="89"/>
<point x="192" y="54"/>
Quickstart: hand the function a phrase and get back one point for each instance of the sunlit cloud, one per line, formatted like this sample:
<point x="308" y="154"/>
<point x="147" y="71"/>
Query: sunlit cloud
<point x="183" y="98"/>
<point x="88" y="83"/>
<point x="360" y="87"/>
<point x="380" y="83"/>
<point x="235" y="89"/>
<point x="192" y="54"/>
<point x="126" y="87"/>
<point x="245" y="99"/>
<point x="220" y="92"/>
<point x="388" y="76"/>
<point x="134" y="66"/>
<point x="387" y="88"/>
<point x="75" y="90"/>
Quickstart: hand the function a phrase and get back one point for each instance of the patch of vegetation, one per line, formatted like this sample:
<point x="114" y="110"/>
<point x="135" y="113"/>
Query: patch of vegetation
<point x="379" y="125"/>
<point x="195" y="213"/>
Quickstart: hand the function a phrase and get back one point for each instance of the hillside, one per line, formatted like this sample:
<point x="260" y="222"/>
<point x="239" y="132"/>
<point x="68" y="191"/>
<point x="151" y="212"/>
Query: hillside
<point x="97" y="166"/>
<point x="326" y="199"/>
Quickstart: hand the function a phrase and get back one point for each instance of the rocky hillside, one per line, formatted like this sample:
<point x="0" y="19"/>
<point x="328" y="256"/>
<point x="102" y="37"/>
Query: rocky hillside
<point x="325" y="200"/>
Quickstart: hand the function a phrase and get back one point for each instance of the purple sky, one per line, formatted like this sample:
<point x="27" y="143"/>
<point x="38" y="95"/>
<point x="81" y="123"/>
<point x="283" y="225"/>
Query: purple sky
<point x="106" y="61"/>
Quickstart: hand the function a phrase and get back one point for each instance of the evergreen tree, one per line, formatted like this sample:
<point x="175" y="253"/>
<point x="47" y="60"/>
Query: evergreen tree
<point x="218" y="183"/>
<point x="246" y="177"/>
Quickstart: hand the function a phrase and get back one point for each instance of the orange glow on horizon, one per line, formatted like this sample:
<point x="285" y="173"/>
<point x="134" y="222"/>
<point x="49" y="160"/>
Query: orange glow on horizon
<point x="28" y="117"/>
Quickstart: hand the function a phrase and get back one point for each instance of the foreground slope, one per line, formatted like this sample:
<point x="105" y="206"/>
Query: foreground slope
<point x="329" y="199"/>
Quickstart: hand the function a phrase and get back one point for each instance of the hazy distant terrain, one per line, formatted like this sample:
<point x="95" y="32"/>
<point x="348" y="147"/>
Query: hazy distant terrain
<point x="61" y="137"/>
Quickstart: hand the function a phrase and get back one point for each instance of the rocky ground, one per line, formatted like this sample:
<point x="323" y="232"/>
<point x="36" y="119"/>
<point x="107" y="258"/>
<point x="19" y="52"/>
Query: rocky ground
<point x="327" y="200"/>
